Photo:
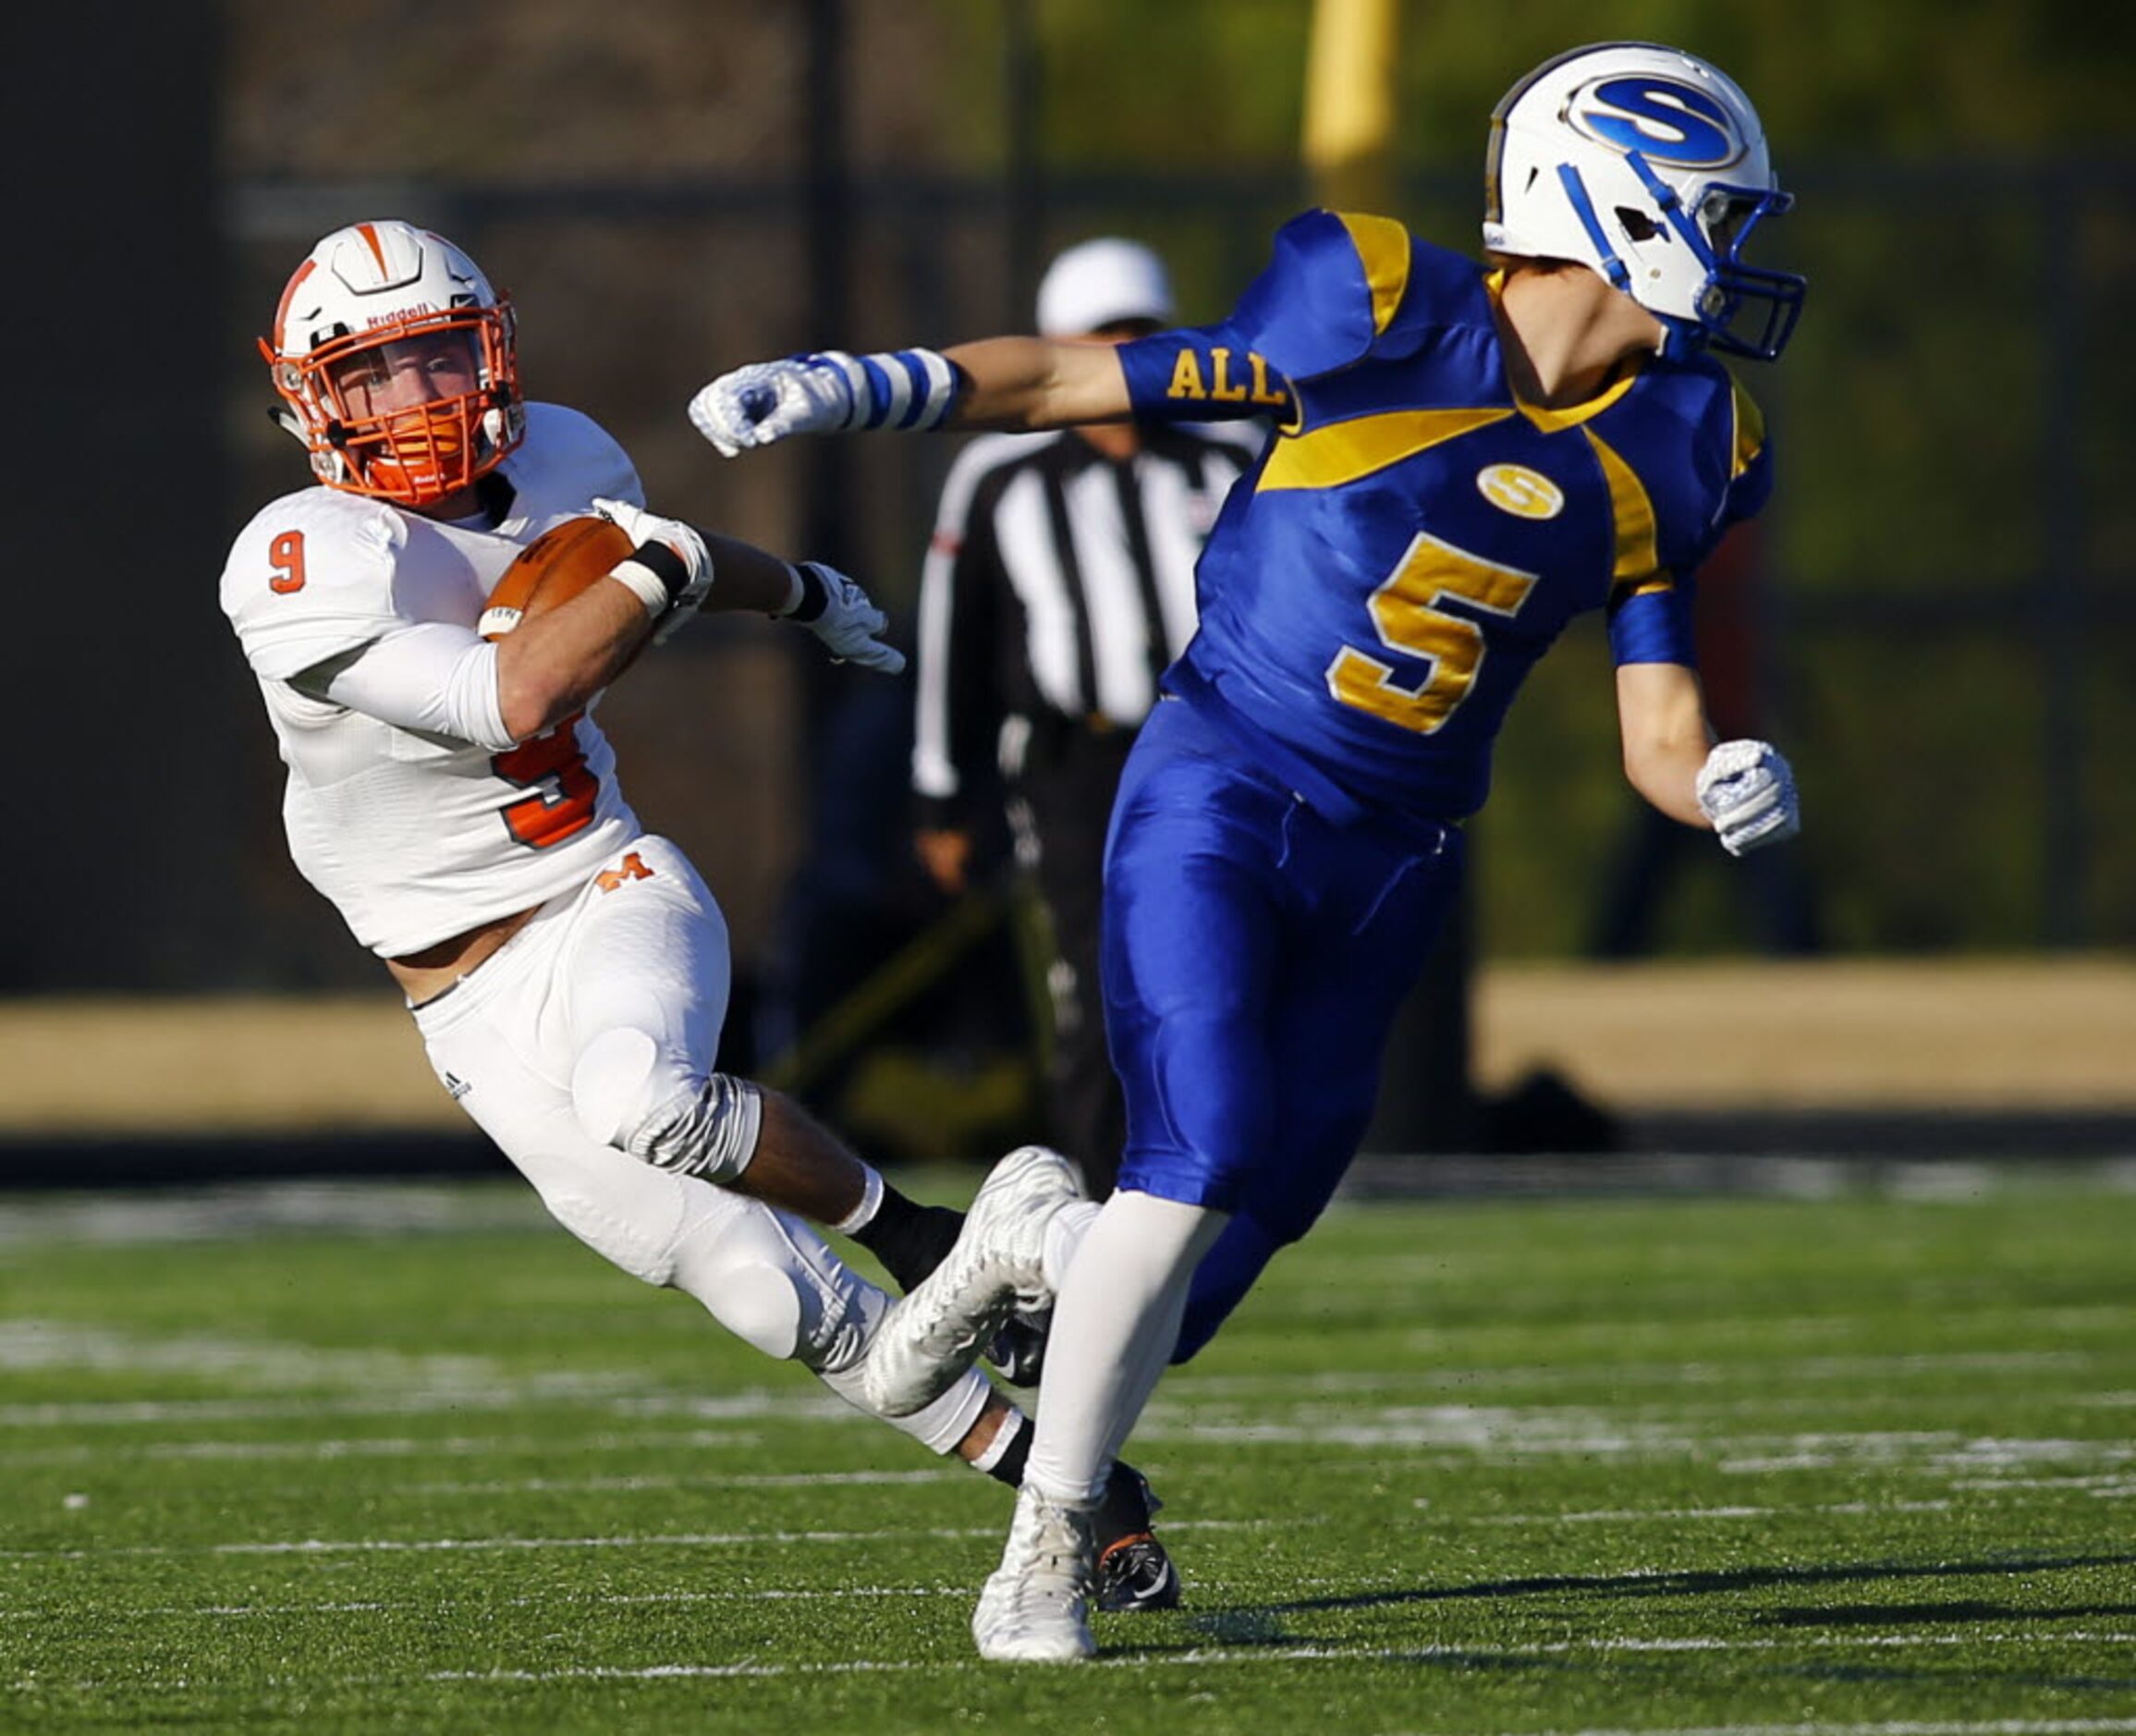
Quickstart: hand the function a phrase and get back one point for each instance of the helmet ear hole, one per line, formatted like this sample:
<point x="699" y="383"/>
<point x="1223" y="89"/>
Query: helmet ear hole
<point x="1638" y="225"/>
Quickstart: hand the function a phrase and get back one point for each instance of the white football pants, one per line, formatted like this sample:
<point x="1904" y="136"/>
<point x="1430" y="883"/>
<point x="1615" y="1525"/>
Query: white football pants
<point x="641" y="948"/>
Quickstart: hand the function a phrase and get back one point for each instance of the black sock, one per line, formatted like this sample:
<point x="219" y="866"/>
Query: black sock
<point x="1125" y="1508"/>
<point x="910" y="1239"/>
<point x="1008" y="1468"/>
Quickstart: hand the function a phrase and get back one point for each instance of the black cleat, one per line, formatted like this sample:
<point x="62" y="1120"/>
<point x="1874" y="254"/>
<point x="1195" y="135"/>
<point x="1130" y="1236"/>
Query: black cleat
<point x="1018" y="1351"/>
<point x="1136" y="1575"/>
<point x="1134" y="1572"/>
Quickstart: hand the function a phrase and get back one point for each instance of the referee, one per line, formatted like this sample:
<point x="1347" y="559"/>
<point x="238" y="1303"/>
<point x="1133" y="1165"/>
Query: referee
<point x="1058" y="584"/>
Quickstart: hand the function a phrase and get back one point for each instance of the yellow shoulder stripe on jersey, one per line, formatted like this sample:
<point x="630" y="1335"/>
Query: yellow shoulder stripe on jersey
<point x="1750" y="430"/>
<point x="1552" y="421"/>
<point x="1383" y="248"/>
<point x="1638" y="562"/>
<point x="1340" y="452"/>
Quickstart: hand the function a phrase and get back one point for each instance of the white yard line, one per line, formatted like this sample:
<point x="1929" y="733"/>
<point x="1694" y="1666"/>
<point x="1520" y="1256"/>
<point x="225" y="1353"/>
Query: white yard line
<point x="1985" y="1727"/>
<point x="1555" y="1648"/>
<point x="1457" y="1435"/>
<point x="709" y="1480"/>
<point x="1338" y="1654"/>
<point x="1692" y="1371"/>
<point x="1281" y="1655"/>
<point x="250" y="1209"/>
<point x="750" y="1404"/>
<point x="474" y="1546"/>
<point x="381" y="1446"/>
<point x="1673" y="1514"/>
<point x="572" y="1599"/>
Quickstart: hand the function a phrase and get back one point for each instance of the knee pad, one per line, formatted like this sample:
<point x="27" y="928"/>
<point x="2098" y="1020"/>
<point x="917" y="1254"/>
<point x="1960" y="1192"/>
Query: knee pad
<point x="760" y="1305"/>
<point x="681" y="1122"/>
<point x="772" y="1282"/>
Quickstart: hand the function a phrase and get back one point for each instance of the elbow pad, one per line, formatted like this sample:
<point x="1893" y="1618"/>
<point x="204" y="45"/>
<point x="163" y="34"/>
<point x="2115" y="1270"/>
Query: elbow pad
<point x="431" y="678"/>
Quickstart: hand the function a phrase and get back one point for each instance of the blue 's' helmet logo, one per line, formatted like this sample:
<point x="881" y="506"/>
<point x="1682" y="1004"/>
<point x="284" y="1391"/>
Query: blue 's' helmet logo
<point x="1663" y="121"/>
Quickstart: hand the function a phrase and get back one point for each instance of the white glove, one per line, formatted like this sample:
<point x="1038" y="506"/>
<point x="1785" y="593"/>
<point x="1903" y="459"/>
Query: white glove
<point x="1747" y="791"/>
<point x="839" y="613"/>
<point x="908" y="390"/>
<point x="769" y="400"/>
<point x="671" y="570"/>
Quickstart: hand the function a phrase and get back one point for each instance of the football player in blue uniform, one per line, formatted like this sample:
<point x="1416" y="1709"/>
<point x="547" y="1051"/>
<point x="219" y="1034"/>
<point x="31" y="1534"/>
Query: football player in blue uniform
<point x="1469" y="455"/>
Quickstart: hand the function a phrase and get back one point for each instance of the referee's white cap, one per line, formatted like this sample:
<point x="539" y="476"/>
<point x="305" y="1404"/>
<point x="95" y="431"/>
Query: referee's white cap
<point x="1100" y="282"/>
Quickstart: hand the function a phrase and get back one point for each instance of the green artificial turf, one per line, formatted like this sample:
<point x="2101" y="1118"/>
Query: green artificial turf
<point x="381" y="1458"/>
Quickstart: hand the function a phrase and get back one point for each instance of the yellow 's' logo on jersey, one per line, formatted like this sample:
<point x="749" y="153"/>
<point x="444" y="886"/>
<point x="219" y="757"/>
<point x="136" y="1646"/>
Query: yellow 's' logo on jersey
<point x="1517" y="489"/>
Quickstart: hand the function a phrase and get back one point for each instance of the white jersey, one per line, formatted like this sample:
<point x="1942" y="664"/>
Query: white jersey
<point x="418" y="836"/>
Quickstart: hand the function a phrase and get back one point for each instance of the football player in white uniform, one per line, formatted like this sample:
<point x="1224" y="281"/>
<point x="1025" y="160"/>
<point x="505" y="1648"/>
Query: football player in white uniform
<point x="454" y="798"/>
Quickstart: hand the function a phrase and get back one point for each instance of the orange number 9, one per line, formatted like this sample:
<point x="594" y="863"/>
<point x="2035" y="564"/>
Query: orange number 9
<point x="285" y="554"/>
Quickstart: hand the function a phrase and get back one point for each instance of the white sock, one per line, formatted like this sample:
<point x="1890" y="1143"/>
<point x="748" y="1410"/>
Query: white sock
<point x="1115" y="1323"/>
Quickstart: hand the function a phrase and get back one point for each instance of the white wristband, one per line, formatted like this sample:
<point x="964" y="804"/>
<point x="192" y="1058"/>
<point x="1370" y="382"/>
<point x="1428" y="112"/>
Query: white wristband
<point x="645" y="582"/>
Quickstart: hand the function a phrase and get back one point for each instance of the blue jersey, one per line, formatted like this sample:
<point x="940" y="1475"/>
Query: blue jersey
<point x="1416" y="537"/>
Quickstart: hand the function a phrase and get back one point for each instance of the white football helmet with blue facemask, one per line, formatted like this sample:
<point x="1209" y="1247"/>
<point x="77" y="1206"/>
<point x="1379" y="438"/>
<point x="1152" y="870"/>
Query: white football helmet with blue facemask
<point x="1649" y="166"/>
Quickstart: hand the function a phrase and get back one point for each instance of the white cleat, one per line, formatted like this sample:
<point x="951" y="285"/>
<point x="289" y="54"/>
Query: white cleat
<point x="1033" y="1609"/>
<point x="933" y="1334"/>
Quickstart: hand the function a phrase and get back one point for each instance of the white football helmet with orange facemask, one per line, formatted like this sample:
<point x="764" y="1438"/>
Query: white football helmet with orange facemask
<point x="1649" y="166"/>
<point x="387" y="304"/>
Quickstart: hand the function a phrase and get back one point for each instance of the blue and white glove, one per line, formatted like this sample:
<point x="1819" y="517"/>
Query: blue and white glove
<point x="827" y="393"/>
<point x="839" y="613"/>
<point x="1747" y="791"/>
<point x="670" y="568"/>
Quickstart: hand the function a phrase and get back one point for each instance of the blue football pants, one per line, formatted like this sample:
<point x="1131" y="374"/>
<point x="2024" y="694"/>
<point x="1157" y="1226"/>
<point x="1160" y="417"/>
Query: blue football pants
<point x="1254" y="957"/>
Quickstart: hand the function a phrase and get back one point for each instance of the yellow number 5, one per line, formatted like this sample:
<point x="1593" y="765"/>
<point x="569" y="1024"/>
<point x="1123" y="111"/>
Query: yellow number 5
<point x="1408" y="612"/>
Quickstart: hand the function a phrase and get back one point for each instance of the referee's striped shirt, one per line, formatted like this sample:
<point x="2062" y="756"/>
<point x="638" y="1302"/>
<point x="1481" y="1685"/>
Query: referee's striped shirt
<point x="1057" y="586"/>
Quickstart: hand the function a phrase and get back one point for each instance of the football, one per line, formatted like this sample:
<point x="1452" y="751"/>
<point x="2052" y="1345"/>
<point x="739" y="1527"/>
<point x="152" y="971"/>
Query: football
<point x="552" y="569"/>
